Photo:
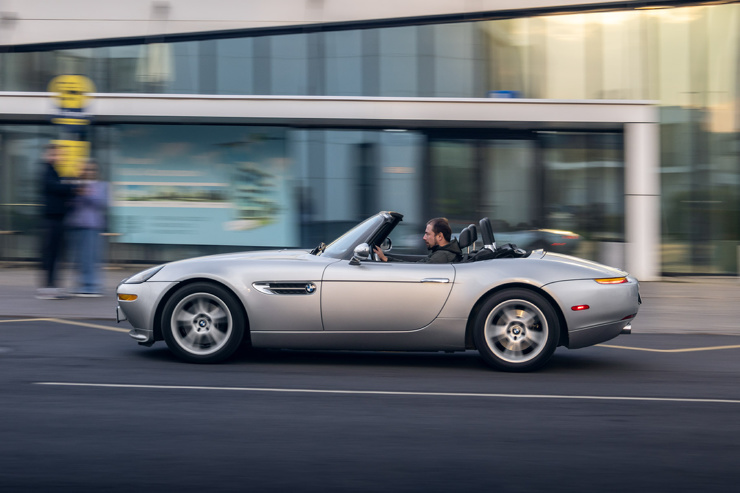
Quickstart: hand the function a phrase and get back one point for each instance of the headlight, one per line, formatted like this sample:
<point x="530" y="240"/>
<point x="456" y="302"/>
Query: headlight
<point x="142" y="276"/>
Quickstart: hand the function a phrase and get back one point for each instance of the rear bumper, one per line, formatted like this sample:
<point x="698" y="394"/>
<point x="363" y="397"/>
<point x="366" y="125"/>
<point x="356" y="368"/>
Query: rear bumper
<point x="595" y="335"/>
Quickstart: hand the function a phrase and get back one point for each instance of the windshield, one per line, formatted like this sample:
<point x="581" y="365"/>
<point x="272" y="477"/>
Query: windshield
<point x="346" y="243"/>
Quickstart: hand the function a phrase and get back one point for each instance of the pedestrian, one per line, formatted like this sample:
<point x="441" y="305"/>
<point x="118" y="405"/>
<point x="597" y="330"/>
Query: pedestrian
<point x="87" y="221"/>
<point x="57" y="196"/>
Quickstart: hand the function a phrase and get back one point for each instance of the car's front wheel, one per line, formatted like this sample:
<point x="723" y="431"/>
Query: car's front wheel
<point x="203" y="323"/>
<point x="516" y="330"/>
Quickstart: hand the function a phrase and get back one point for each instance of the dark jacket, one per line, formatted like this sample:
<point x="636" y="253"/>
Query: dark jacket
<point x="57" y="195"/>
<point x="447" y="254"/>
<point x="444" y="255"/>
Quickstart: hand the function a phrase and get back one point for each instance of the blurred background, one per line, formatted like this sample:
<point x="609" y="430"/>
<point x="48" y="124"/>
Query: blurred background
<point x="201" y="180"/>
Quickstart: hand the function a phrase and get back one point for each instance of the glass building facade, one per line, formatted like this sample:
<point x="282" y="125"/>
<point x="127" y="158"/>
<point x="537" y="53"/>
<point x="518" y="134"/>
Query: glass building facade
<point x="306" y="185"/>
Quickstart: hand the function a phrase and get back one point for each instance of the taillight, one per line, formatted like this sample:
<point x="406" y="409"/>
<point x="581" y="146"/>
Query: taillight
<point x="612" y="280"/>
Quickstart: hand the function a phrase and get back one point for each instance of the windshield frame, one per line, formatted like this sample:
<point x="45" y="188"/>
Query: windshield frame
<point x="365" y="232"/>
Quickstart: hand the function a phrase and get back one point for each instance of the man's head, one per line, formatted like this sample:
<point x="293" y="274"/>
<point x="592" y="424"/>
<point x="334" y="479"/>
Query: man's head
<point x="437" y="233"/>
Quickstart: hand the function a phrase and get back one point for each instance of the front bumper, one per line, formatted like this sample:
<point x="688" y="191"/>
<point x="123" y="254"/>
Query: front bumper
<point x="140" y="313"/>
<point x="145" y="337"/>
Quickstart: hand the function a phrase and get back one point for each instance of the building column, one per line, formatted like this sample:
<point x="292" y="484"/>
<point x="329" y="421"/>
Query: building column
<point x="642" y="200"/>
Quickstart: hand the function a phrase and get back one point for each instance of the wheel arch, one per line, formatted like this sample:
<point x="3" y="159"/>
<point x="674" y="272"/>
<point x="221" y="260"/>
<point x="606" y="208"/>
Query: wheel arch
<point x="470" y="343"/>
<point x="157" y="322"/>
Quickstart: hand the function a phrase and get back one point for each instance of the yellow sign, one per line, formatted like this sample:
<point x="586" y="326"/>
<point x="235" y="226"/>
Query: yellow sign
<point x="71" y="92"/>
<point x="72" y="156"/>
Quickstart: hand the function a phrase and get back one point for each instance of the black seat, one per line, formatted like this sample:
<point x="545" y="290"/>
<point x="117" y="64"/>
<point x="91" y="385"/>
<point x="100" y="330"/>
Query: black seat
<point x="486" y="232"/>
<point x="465" y="238"/>
<point x="474" y="234"/>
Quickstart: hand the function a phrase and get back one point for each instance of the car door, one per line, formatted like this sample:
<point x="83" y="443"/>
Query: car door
<point x="383" y="296"/>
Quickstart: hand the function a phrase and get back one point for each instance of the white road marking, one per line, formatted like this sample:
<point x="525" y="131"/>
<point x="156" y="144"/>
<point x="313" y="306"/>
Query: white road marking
<point x="67" y="322"/>
<point x="610" y="346"/>
<point x="390" y="392"/>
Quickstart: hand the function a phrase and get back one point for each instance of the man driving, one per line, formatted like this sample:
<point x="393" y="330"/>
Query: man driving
<point x="443" y="249"/>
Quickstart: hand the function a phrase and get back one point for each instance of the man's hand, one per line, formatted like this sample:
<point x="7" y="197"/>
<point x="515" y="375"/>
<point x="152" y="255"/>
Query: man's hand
<point x="380" y="254"/>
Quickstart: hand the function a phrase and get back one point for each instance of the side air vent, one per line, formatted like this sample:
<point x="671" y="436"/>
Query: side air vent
<point x="297" y="287"/>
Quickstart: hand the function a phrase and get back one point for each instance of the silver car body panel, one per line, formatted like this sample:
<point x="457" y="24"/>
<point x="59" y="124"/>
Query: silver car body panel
<point x="294" y="299"/>
<point x="440" y="335"/>
<point x="384" y="296"/>
<point x="140" y="312"/>
<point x="240" y="272"/>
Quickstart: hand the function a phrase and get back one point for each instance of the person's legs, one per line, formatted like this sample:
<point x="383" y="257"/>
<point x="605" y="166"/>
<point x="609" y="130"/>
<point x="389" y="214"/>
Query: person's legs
<point x="54" y="248"/>
<point x="89" y="246"/>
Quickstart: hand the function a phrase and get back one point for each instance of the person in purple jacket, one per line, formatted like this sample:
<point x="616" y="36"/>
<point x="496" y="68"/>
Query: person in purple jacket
<point x="87" y="221"/>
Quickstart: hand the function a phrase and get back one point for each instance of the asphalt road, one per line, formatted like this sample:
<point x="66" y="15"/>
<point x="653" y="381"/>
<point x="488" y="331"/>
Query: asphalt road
<point x="86" y="409"/>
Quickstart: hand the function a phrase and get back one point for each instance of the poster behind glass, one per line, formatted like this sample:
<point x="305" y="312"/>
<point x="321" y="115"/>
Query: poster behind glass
<point x="202" y="185"/>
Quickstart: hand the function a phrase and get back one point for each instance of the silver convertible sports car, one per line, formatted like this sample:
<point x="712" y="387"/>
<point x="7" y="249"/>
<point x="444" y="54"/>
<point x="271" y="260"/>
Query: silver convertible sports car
<point x="514" y="307"/>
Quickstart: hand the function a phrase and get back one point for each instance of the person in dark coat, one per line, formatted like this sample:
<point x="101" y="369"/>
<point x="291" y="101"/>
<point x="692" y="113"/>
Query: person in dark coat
<point x="443" y="249"/>
<point x="57" y="196"/>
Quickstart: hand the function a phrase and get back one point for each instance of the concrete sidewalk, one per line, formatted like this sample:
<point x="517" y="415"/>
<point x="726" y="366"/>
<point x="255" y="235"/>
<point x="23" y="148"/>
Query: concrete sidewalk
<point x="691" y="305"/>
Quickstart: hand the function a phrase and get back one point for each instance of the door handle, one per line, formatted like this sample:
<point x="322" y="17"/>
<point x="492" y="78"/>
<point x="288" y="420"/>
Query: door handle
<point x="436" y="279"/>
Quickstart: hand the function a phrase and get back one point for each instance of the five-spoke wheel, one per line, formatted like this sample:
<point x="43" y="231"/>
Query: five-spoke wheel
<point x="203" y="323"/>
<point x="516" y="330"/>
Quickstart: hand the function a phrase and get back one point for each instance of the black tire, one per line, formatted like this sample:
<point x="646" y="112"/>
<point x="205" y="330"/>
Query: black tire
<point x="203" y="323"/>
<point x="516" y="330"/>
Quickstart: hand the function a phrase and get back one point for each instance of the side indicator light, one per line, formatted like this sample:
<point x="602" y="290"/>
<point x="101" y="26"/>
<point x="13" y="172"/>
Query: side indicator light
<point x="612" y="280"/>
<point x="578" y="308"/>
<point x="127" y="297"/>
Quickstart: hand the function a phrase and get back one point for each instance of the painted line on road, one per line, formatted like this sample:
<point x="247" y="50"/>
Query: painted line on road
<point x="684" y="350"/>
<point x="629" y="348"/>
<point x="390" y="392"/>
<point x="67" y="322"/>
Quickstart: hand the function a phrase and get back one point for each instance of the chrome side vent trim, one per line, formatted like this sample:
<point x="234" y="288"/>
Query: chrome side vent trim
<point x="280" y="287"/>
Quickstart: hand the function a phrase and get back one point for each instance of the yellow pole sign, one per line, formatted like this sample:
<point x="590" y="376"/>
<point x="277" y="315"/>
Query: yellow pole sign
<point x="71" y="94"/>
<point x="71" y="158"/>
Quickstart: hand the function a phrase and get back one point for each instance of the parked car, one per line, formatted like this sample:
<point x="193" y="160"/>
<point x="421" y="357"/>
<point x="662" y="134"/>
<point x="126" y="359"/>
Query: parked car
<point x="514" y="311"/>
<point x="552" y="240"/>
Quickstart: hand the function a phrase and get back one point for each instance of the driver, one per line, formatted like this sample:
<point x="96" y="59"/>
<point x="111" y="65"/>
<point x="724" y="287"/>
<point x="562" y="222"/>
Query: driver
<point x="437" y="236"/>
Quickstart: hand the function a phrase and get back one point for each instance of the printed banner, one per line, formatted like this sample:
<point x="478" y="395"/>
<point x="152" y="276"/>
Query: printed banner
<point x="203" y="185"/>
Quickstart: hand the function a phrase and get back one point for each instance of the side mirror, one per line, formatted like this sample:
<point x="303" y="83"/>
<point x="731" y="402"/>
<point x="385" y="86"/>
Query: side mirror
<point x="362" y="252"/>
<point x="386" y="245"/>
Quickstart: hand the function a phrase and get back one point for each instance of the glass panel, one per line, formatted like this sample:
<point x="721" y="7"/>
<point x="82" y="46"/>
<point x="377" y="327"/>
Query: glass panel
<point x="289" y="64"/>
<point x="235" y="66"/>
<point x="124" y="69"/>
<point x="584" y="192"/>
<point x="454" y="190"/>
<point x="566" y="57"/>
<point x="21" y="147"/>
<point x="345" y="176"/>
<point x="344" y="63"/>
<point x="182" y="78"/>
<point x="29" y="72"/>
<point x="398" y="61"/>
<point x="509" y="185"/>
<point x="454" y="61"/>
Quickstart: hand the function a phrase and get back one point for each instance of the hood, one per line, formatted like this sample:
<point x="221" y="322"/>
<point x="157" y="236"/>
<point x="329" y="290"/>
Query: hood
<point x="254" y="255"/>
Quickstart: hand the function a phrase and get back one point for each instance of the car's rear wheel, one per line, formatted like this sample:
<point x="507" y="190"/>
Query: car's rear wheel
<point x="203" y="323"/>
<point x="516" y="330"/>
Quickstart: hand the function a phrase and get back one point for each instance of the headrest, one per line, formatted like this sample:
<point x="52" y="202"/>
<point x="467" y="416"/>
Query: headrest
<point x="465" y="239"/>
<point x="486" y="231"/>
<point x="473" y="232"/>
